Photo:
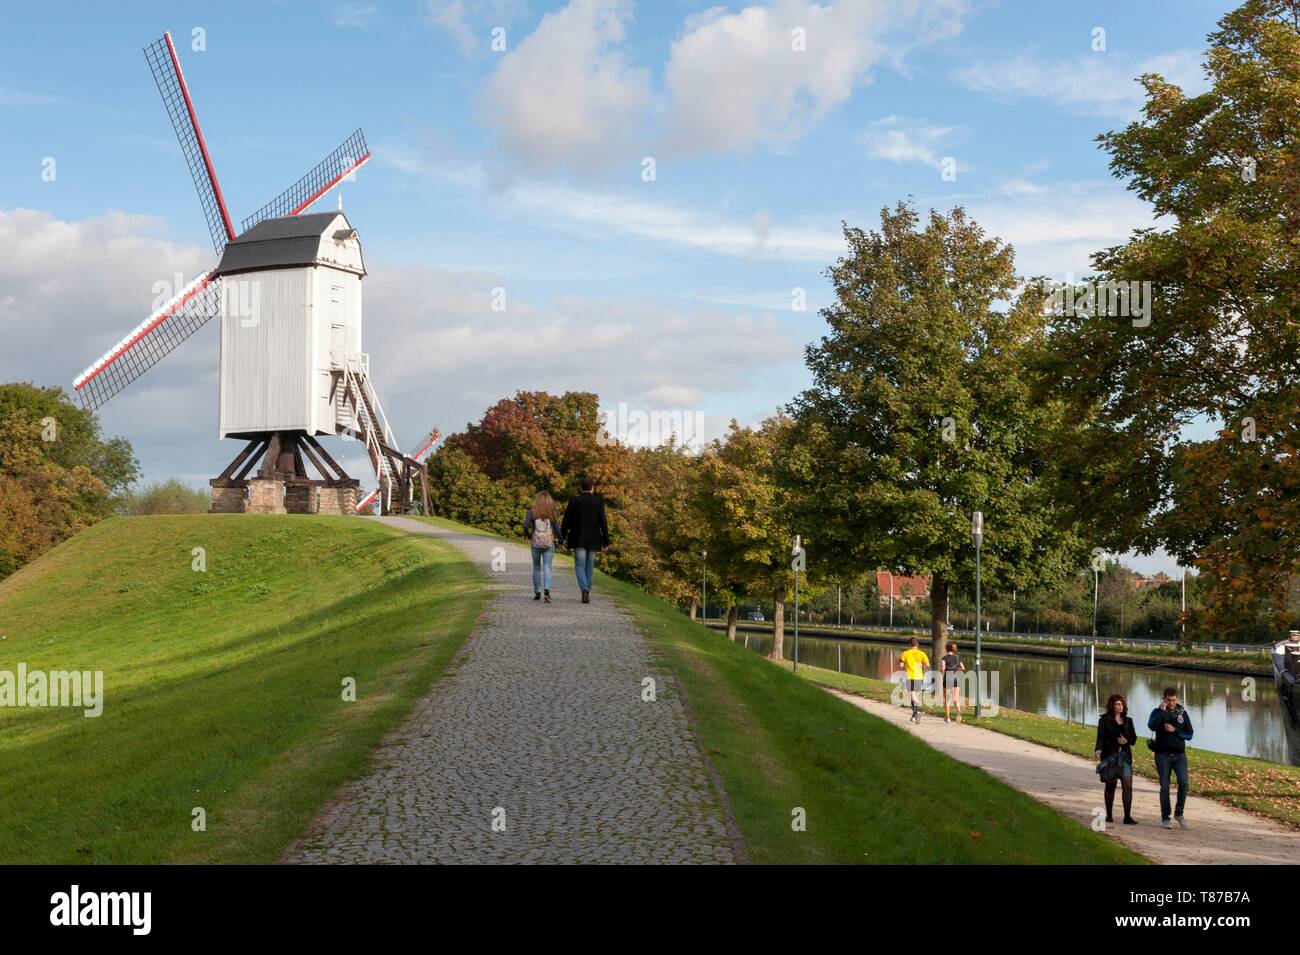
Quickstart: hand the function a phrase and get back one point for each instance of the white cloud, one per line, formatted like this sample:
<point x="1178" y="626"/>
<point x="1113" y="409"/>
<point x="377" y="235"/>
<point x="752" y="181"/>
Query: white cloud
<point x="1102" y="84"/>
<point x="602" y="213"/>
<point x="734" y="80"/>
<point x="440" y="348"/>
<point x="896" y="139"/>
<point x="450" y="16"/>
<point x="567" y="95"/>
<point x="355" y="15"/>
<point x="19" y="98"/>
<point x="470" y="25"/>
<point x="1056" y="228"/>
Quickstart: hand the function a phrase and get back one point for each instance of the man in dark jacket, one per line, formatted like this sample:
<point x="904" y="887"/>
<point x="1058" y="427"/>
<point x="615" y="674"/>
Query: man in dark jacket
<point x="1173" y="728"/>
<point x="585" y="531"/>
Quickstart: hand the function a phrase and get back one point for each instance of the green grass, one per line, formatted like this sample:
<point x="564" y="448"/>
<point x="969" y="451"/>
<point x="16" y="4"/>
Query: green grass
<point x="1267" y="789"/>
<point x="872" y="793"/>
<point x="223" y="689"/>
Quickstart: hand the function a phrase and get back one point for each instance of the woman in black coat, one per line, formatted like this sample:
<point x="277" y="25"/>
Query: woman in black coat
<point x="1116" y="734"/>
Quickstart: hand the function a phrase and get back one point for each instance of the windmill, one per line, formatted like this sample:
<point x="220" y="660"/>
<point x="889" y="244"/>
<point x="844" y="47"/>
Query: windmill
<point x="287" y="293"/>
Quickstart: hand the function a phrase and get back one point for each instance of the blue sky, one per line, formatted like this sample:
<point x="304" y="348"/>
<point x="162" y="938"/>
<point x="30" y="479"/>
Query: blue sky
<point x="522" y="169"/>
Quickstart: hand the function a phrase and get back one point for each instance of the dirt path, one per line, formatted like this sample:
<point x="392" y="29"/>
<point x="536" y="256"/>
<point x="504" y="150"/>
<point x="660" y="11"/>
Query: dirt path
<point x="1220" y="835"/>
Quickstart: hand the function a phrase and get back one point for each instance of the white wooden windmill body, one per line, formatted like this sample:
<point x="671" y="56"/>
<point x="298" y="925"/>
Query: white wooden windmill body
<point x="287" y="294"/>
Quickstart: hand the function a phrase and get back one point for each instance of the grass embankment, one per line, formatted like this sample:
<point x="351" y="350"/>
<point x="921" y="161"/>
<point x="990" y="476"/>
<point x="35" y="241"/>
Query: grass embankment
<point x="223" y="689"/>
<point x="872" y="793"/>
<point x="1256" y="785"/>
<point x="1191" y="658"/>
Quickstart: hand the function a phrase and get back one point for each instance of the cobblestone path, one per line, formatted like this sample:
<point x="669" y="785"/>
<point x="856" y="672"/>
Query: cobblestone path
<point x="535" y="747"/>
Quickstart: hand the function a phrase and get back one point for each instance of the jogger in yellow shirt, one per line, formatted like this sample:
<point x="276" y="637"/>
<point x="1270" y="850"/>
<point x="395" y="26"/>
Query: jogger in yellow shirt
<point x="915" y="663"/>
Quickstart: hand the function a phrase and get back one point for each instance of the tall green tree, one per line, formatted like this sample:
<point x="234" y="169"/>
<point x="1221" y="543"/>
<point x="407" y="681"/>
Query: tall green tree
<point x="748" y="520"/>
<point x="921" y="411"/>
<point x="1222" y="344"/>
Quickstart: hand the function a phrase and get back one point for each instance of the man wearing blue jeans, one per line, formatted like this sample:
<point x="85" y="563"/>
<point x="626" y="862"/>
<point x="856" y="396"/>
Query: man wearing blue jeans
<point x="1173" y="728"/>
<point x="586" y="531"/>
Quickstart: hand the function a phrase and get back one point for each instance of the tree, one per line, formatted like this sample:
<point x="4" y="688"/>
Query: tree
<point x="71" y="436"/>
<point x="57" y="475"/>
<point x="749" y="536"/>
<point x="921" y="411"/>
<point x="1221" y="342"/>
<point x="460" y="491"/>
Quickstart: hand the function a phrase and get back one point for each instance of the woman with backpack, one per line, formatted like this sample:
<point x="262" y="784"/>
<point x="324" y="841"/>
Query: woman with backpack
<point x="541" y="527"/>
<point x="1115" y="737"/>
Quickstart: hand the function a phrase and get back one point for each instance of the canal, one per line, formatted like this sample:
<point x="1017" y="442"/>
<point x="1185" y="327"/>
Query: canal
<point x="1224" y="720"/>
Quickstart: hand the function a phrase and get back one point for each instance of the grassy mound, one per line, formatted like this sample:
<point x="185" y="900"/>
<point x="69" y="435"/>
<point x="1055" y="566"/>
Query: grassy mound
<point x="223" y="687"/>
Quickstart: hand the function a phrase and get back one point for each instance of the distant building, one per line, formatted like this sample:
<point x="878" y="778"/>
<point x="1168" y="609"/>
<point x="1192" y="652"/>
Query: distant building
<point x="1142" y="583"/>
<point x="905" y="590"/>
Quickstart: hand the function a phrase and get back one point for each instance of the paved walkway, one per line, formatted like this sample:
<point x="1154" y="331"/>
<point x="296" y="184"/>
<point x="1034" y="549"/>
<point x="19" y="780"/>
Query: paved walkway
<point x="1219" y="834"/>
<point x="540" y="725"/>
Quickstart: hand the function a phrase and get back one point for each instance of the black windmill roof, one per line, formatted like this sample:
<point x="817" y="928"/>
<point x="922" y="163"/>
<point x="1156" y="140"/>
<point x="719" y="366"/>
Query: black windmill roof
<point x="284" y="242"/>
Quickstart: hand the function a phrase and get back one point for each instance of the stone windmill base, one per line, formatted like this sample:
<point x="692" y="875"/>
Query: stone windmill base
<point x="282" y="484"/>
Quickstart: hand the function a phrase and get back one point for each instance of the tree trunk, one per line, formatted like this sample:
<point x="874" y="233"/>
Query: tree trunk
<point x="731" y="623"/>
<point x="938" y="617"/>
<point x="695" y="607"/>
<point x="778" y="625"/>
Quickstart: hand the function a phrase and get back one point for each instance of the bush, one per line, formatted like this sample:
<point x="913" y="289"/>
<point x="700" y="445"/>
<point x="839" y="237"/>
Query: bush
<point x="165" y="497"/>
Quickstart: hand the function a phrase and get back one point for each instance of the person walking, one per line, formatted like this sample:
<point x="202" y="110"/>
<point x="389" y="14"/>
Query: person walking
<point x="541" y="527"/>
<point x="1173" y="729"/>
<point x="952" y="670"/>
<point x="914" y="662"/>
<point x="1115" y="736"/>
<point x="585" y="530"/>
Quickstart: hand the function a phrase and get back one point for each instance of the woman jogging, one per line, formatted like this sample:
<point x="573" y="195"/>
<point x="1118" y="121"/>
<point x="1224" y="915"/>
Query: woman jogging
<point x="541" y="526"/>
<point x="952" y="670"/>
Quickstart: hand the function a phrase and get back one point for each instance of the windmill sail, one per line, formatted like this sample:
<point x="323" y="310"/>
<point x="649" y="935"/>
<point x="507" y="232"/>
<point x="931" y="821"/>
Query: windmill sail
<point x="150" y="341"/>
<point x="166" y="68"/>
<point x="328" y="173"/>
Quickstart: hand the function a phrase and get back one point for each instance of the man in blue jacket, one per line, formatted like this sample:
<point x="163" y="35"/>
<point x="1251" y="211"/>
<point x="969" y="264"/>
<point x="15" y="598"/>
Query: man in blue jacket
<point x="1173" y="728"/>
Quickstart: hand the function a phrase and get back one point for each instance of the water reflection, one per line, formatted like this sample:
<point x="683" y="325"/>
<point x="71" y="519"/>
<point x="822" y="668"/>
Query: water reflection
<point x="1224" y="721"/>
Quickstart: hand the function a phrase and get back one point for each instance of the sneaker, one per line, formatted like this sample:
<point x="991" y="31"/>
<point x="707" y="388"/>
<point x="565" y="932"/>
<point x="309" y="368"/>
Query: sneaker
<point x="586" y="596"/>
<point x="1166" y="824"/>
<point x="946" y="720"/>
<point x="1182" y="822"/>
<point x="1130" y="821"/>
<point x="548" y="596"/>
<point x="537" y="595"/>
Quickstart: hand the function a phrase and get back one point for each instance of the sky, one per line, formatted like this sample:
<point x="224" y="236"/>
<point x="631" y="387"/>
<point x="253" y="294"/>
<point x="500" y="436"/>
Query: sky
<point x="652" y="190"/>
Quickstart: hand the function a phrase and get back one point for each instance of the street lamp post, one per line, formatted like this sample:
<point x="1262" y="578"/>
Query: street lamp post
<point x="891" y="597"/>
<point x="1096" y="578"/>
<point x="796" y="565"/>
<point x="1182" y="620"/>
<point x="704" y="586"/>
<point x="977" y="536"/>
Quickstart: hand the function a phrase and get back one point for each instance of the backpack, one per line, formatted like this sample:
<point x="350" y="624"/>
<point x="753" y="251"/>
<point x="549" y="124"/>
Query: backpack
<point x="543" y="536"/>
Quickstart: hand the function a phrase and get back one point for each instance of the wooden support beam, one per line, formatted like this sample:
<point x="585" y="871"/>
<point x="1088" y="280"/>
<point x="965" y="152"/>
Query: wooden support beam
<point x="271" y="459"/>
<point x="239" y="459"/>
